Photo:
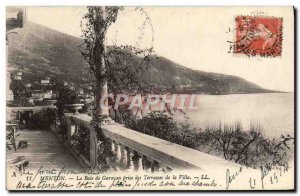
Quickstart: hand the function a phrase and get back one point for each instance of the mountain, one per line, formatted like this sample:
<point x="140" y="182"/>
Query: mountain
<point x="42" y="51"/>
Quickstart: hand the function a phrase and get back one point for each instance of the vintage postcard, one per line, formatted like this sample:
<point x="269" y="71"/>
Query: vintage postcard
<point x="108" y="98"/>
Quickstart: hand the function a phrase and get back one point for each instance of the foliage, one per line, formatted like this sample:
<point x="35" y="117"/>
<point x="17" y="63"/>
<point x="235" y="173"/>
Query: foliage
<point x="246" y="147"/>
<point x="111" y="64"/>
<point x="17" y="87"/>
<point x="42" y="119"/>
<point x="65" y="96"/>
<point x="62" y="128"/>
<point x="104" y="152"/>
<point x="80" y="141"/>
<point x="95" y="25"/>
<point x="159" y="124"/>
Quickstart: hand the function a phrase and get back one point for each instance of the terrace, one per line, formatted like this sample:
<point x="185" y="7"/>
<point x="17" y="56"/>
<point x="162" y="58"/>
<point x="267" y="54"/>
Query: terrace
<point x="73" y="142"/>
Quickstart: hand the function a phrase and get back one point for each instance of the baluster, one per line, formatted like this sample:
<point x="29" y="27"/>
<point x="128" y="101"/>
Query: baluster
<point x="140" y="163"/>
<point x="123" y="152"/>
<point x="137" y="162"/>
<point x="111" y="164"/>
<point x="111" y="160"/>
<point x="129" y="161"/>
<point x="117" y="151"/>
<point x="70" y="129"/>
<point x="146" y="163"/>
<point x="73" y="130"/>
<point x="112" y="145"/>
<point x="166" y="169"/>
<point x="56" y="123"/>
<point x="93" y="147"/>
<point x="77" y="129"/>
<point x="154" y="166"/>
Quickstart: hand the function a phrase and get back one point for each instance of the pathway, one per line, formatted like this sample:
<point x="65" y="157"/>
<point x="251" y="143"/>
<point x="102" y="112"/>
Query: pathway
<point x="43" y="149"/>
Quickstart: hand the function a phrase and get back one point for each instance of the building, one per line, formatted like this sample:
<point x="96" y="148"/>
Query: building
<point x="81" y="91"/>
<point x="16" y="77"/>
<point x="9" y="94"/>
<point x="30" y="100"/>
<point x="19" y="73"/>
<point x="47" y="94"/>
<point x="45" y="82"/>
<point x="21" y="17"/>
<point x="37" y="94"/>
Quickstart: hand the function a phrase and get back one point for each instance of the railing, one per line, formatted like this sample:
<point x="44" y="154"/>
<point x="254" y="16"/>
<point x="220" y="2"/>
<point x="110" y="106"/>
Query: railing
<point x="13" y="113"/>
<point x="132" y="150"/>
<point x="127" y="149"/>
<point x="81" y="139"/>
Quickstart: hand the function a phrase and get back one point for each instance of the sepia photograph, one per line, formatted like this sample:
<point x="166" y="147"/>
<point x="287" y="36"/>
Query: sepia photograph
<point x="141" y="98"/>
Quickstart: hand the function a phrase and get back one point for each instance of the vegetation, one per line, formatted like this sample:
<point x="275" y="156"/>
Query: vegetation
<point x="42" y="119"/>
<point x="110" y="65"/>
<point x="65" y="96"/>
<point x="247" y="147"/>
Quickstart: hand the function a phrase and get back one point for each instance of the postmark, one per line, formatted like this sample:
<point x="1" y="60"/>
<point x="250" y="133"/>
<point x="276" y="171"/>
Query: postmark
<point x="257" y="36"/>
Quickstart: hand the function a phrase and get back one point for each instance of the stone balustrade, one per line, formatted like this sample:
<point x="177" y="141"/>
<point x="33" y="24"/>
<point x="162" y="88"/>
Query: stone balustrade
<point x="131" y="150"/>
<point x="12" y="113"/>
<point x="134" y="150"/>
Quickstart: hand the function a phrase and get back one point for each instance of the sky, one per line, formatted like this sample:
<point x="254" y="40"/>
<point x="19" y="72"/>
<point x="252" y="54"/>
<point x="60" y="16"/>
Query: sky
<point x="195" y="37"/>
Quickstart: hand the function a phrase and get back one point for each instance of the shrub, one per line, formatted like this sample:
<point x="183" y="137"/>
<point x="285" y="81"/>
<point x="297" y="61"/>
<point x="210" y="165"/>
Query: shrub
<point x="246" y="147"/>
<point x="159" y="124"/>
<point x="42" y="119"/>
<point x="65" y="96"/>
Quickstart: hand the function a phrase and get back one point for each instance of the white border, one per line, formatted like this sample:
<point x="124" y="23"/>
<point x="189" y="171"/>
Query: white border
<point x="4" y="3"/>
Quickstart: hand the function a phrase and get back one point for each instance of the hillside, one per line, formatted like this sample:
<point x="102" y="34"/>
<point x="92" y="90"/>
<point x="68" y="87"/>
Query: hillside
<point x="40" y="50"/>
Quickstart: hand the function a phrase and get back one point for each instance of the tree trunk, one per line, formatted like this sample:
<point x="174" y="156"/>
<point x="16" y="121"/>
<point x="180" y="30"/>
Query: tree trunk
<point x="101" y="106"/>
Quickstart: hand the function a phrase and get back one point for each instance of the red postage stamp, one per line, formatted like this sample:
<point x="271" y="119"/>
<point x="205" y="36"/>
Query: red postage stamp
<point x="258" y="36"/>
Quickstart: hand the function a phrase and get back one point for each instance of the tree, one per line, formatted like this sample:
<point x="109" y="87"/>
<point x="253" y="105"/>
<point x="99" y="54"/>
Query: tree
<point x="110" y="64"/>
